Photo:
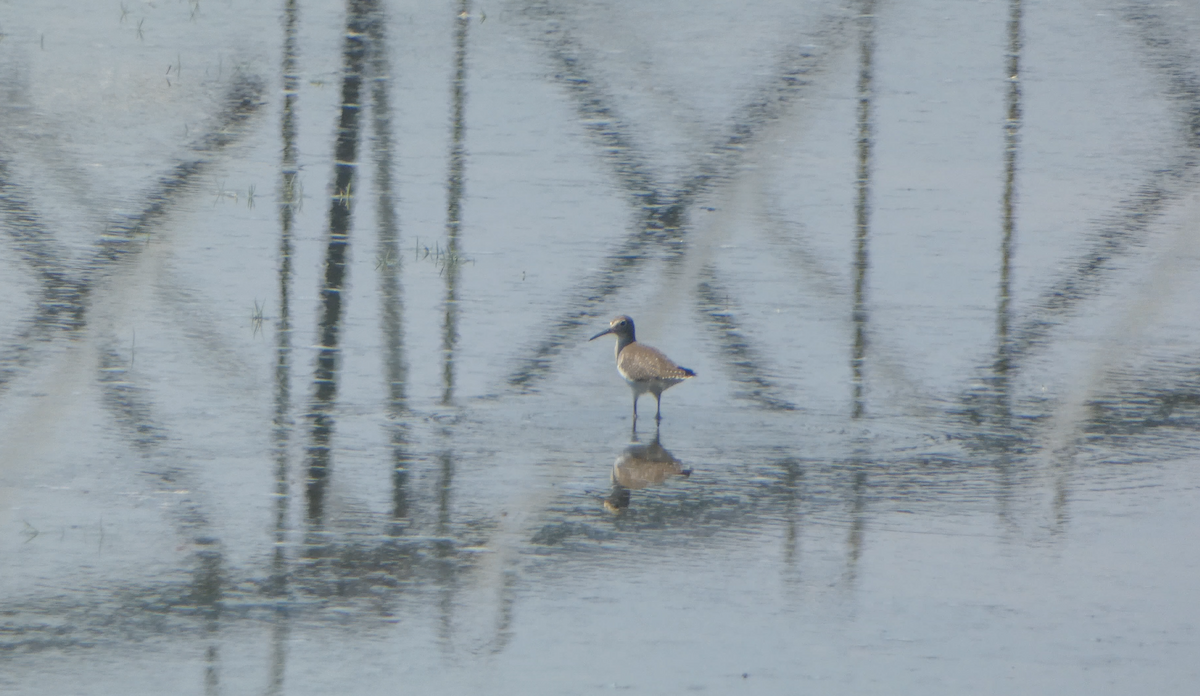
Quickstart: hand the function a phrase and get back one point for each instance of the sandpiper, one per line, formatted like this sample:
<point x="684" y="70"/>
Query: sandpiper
<point x="646" y="369"/>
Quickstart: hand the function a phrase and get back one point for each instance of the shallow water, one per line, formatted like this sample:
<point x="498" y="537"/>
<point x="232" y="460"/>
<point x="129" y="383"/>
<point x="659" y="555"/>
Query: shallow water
<point x="296" y="394"/>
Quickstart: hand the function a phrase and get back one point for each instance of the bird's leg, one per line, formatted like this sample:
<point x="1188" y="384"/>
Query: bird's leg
<point x="635" y="396"/>
<point x="658" y="400"/>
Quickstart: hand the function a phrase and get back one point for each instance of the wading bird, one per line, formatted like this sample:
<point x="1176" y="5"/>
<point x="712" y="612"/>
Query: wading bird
<point x="646" y="369"/>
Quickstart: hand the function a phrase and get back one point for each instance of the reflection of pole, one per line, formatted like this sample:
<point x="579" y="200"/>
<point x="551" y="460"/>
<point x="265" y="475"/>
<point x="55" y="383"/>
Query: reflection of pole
<point x="444" y="548"/>
<point x="289" y="199"/>
<point x="345" y="164"/>
<point x="279" y="641"/>
<point x="387" y="262"/>
<point x="1012" y="126"/>
<point x="862" y="209"/>
<point x="1000" y="370"/>
<point x="862" y="220"/>
<point x="206" y="595"/>
<point x="793" y="481"/>
<point x="454" y="192"/>
<point x="854" y="540"/>
<point x="212" y="671"/>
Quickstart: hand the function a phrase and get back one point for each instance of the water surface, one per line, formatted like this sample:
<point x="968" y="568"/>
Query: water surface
<point x="296" y="394"/>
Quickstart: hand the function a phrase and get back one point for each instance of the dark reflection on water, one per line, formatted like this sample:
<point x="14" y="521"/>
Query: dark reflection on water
<point x="446" y="561"/>
<point x="1000" y="385"/>
<point x="1010" y="429"/>
<point x="1165" y="401"/>
<point x="859" y="494"/>
<point x="207" y="595"/>
<point x="354" y="60"/>
<point x="277" y="583"/>
<point x="418" y="549"/>
<point x="862" y="206"/>
<point x="1118" y="404"/>
<point x="1008" y="204"/>
<point x="357" y="567"/>
<point x="660" y="211"/>
<point x="454" y="195"/>
<point x="64" y="292"/>
<point x="65" y="296"/>
<point x="1122" y="231"/>
<point x="744" y="364"/>
<point x="289" y="201"/>
<point x="793" y="515"/>
<point x="62" y="300"/>
<point x="212" y="673"/>
<point x="388" y="265"/>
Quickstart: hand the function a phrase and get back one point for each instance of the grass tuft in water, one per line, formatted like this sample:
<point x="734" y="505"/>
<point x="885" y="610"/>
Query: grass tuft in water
<point x="441" y="258"/>
<point x="256" y="319"/>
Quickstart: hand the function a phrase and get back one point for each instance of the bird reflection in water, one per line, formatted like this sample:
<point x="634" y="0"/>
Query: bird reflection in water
<point x="640" y="466"/>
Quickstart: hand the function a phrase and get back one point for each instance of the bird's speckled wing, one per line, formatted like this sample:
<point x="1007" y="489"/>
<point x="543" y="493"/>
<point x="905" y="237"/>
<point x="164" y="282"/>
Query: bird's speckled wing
<point x="640" y="362"/>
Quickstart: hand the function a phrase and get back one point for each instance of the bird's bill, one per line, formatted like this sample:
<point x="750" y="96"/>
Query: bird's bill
<point x="602" y="333"/>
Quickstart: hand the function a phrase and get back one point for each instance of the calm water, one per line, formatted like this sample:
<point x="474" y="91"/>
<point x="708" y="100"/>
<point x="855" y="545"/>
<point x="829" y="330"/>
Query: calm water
<point x="296" y="394"/>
